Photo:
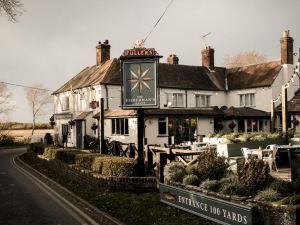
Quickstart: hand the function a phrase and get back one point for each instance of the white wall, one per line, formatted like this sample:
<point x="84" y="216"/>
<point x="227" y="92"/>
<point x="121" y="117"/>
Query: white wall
<point x="205" y="126"/>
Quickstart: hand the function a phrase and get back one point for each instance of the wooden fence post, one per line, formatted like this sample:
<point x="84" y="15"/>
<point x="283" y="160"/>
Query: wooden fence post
<point x="149" y="159"/>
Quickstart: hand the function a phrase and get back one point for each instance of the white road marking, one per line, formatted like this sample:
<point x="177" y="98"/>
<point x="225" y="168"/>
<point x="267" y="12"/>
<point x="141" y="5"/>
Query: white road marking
<point x="76" y="213"/>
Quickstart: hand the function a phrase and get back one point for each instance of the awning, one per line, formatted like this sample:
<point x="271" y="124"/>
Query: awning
<point x="83" y="115"/>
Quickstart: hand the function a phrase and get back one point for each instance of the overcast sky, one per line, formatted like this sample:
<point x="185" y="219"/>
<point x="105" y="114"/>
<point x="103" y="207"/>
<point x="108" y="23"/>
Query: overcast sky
<point x="55" y="39"/>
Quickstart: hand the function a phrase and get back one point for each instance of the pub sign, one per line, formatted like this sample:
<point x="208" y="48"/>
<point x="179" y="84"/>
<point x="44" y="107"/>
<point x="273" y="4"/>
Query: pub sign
<point x="139" y="69"/>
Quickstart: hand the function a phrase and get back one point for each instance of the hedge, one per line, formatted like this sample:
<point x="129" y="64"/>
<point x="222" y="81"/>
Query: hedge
<point x="67" y="156"/>
<point x="37" y="148"/>
<point x="85" y="160"/>
<point x="117" y="166"/>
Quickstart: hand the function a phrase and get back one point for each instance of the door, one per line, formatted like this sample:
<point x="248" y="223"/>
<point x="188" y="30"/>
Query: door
<point x="79" y="134"/>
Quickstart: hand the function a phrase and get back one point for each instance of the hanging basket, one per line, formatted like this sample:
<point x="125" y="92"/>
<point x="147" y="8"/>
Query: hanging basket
<point x="94" y="127"/>
<point x="71" y="122"/>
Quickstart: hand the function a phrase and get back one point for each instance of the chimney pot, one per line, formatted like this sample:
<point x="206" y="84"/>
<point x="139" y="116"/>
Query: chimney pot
<point x="173" y="59"/>
<point x="286" y="48"/>
<point x="102" y="52"/>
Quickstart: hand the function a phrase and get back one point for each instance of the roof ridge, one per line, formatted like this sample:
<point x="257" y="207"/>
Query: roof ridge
<point x="253" y="64"/>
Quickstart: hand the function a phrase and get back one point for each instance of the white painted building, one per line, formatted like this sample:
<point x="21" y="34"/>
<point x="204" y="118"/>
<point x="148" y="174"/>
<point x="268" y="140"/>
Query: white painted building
<point x="193" y="100"/>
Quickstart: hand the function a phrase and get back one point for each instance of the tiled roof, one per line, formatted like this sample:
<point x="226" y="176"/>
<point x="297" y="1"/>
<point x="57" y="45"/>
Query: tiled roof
<point x="83" y="115"/>
<point x="258" y="75"/>
<point x="245" y="112"/>
<point x="293" y="104"/>
<point x="170" y="76"/>
<point x="89" y="76"/>
<point x="182" y="76"/>
<point x="117" y="113"/>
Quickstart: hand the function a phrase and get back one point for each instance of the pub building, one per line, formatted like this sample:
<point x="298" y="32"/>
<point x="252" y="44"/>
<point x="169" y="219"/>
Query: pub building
<point x="193" y="100"/>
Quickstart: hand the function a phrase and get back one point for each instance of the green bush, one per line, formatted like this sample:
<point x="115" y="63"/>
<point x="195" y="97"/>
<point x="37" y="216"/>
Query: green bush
<point x="211" y="166"/>
<point x="191" y="180"/>
<point x="176" y="172"/>
<point x="85" y="160"/>
<point x="191" y="169"/>
<point x="268" y="195"/>
<point x="254" y="173"/>
<point x="67" y="156"/>
<point x="6" y="140"/>
<point x="282" y="187"/>
<point x="232" y="186"/>
<point x="48" y="138"/>
<point x="118" y="166"/>
<point x="290" y="200"/>
<point x="211" y="185"/>
<point x="97" y="165"/>
<point x="37" y="148"/>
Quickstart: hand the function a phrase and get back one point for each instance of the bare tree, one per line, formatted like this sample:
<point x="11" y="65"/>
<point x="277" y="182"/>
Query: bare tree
<point x="38" y="98"/>
<point x="244" y="58"/>
<point x="12" y="8"/>
<point x="5" y="97"/>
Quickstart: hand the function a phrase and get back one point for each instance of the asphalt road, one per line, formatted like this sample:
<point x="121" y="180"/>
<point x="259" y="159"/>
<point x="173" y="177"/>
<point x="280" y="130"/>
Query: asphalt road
<point x="24" y="200"/>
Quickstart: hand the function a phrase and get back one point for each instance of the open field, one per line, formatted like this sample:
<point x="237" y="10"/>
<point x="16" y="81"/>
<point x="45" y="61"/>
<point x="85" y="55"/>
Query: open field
<point x="25" y="135"/>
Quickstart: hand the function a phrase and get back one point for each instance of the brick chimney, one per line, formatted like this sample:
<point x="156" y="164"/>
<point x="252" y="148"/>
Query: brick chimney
<point x="208" y="57"/>
<point x="172" y="59"/>
<point x="102" y="52"/>
<point x="286" y="44"/>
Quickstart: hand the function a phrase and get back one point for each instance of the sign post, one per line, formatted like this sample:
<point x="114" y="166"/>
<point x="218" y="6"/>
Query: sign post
<point x="139" y="91"/>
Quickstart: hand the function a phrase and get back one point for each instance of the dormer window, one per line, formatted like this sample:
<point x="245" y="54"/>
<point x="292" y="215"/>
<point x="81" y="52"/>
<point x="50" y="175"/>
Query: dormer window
<point x="175" y="100"/>
<point x="247" y="99"/>
<point x="202" y="100"/>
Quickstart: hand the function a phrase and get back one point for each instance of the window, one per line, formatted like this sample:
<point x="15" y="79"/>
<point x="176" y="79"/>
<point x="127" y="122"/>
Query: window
<point x="175" y="100"/>
<point x="202" y="100"/>
<point x="247" y="99"/>
<point x="162" y="126"/>
<point x="65" y="103"/>
<point x="119" y="126"/>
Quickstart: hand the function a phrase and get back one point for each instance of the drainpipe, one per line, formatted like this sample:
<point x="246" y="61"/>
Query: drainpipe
<point x="106" y="95"/>
<point x="186" y="98"/>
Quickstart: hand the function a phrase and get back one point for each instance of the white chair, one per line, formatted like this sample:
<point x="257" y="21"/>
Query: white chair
<point x="271" y="157"/>
<point x="245" y="152"/>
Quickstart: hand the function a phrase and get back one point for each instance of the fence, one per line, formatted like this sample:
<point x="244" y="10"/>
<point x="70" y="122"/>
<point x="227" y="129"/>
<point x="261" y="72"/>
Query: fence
<point x="158" y="157"/>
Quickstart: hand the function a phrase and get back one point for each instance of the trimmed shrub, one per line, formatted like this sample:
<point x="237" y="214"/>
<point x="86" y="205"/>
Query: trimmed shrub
<point x="85" y="160"/>
<point x="211" y="166"/>
<point x="191" y="180"/>
<point x="67" y="156"/>
<point x="97" y="165"/>
<point x="232" y="186"/>
<point x="282" y="187"/>
<point x="176" y="171"/>
<point x="211" y="185"/>
<point x="268" y="195"/>
<point x="117" y="166"/>
<point x="37" y="148"/>
<point x="254" y="173"/>
<point x="191" y="169"/>
<point x="48" y="138"/>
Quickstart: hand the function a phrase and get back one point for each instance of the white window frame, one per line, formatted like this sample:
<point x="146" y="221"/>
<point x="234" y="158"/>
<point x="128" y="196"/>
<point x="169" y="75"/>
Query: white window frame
<point x="247" y="99"/>
<point x="202" y="100"/>
<point x="173" y="100"/>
